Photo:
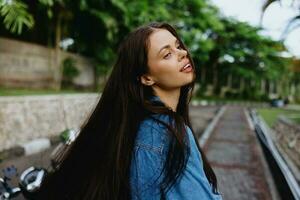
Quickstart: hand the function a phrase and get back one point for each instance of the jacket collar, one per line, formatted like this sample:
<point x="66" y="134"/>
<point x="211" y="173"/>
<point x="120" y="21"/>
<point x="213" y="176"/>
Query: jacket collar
<point x="155" y="98"/>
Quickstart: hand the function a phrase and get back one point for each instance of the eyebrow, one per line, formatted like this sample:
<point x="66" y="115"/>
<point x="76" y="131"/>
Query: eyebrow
<point x="167" y="46"/>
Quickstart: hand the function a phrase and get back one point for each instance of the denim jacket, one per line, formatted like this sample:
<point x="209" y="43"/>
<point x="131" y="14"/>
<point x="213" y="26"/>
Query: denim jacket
<point x="149" y="155"/>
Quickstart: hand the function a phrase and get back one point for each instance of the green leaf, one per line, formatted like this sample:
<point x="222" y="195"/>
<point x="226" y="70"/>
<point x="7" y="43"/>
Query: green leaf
<point x="48" y="3"/>
<point x="49" y="13"/>
<point x="16" y="16"/>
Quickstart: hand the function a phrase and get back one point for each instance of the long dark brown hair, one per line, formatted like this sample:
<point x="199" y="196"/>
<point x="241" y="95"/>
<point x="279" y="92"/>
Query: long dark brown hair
<point x="97" y="165"/>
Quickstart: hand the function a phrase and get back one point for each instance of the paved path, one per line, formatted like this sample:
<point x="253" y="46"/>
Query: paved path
<point x="236" y="158"/>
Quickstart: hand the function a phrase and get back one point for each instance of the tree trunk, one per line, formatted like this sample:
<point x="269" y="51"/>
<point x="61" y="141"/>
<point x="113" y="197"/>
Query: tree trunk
<point x="271" y="90"/>
<point x="263" y="86"/>
<point x="203" y="75"/>
<point x="229" y="81"/>
<point x="293" y="89"/>
<point x="215" y="75"/>
<point x="58" y="67"/>
<point x="242" y="84"/>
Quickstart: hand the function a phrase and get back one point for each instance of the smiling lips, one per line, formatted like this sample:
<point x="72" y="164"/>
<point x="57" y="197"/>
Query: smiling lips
<point x="187" y="68"/>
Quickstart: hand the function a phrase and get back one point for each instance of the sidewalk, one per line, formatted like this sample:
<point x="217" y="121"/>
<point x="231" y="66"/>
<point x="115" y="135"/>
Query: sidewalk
<point x="237" y="159"/>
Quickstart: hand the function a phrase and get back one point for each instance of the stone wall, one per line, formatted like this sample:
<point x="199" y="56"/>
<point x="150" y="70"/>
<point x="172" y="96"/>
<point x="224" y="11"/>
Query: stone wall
<point x="26" y="65"/>
<point x="288" y="137"/>
<point x="29" y="117"/>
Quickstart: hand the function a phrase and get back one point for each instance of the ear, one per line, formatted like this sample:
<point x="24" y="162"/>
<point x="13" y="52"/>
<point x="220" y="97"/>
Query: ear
<point x="147" y="80"/>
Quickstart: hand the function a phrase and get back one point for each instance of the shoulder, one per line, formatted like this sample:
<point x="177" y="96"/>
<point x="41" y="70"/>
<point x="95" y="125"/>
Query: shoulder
<point x="148" y="157"/>
<point x="152" y="133"/>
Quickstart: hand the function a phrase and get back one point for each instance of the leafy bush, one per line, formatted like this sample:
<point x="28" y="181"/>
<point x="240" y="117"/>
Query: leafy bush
<point x="69" y="69"/>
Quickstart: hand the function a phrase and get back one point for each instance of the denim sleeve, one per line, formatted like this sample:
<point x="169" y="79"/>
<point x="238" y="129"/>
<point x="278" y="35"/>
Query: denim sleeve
<point x="147" y="161"/>
<point x="149" y="156"/>
<point x="193" y="183"/>
<point x="146" y="168"/>
<point x="191" y="187"/>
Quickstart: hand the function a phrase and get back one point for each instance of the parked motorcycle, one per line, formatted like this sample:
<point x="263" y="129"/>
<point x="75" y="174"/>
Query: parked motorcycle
<point x="30" y="181"/>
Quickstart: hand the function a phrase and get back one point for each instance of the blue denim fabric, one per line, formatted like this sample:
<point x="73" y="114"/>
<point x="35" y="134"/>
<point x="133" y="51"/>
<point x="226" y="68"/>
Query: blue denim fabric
<point x="149" y="156"/>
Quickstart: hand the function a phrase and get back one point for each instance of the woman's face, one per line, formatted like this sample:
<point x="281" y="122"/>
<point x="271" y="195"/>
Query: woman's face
<point x="169" y="66"/>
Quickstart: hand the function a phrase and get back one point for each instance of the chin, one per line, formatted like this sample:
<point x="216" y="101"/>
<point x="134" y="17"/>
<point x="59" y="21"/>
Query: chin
<point x="191" y="78"/>
<point x="188" y="82"/>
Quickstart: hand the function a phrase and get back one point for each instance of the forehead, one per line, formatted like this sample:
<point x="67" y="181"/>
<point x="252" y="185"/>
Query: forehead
<point x="160" y="38"/>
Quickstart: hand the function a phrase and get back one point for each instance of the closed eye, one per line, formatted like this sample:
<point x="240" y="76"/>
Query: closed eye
<point x="167" y="55"/>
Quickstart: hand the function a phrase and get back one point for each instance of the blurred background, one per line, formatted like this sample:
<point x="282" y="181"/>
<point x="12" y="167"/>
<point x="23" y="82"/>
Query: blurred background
<point x="70" y="45"/>
<point x="56" y="55"/>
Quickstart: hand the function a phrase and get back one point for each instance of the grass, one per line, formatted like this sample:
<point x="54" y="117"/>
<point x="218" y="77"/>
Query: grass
<point x="22" y="92"/>
<point x="296" y="120"/>
<point x="270" y="114"/>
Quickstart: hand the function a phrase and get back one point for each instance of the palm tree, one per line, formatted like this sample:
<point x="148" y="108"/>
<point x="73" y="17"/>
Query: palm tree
<point x="15" y="15"/>
<point x="293" y="23"/>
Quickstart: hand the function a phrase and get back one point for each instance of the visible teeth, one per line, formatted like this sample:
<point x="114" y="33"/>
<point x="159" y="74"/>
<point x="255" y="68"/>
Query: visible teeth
<point x="186" y="66"/>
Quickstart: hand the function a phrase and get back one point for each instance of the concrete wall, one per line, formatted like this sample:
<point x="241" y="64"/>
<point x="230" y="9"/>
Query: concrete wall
<point x="29" y="117"/>
<point x="25" y="64"/>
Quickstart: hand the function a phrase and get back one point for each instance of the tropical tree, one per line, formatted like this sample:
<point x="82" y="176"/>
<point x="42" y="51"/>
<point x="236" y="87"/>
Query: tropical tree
<point x="293" y="75"/>
<point x="227" y="53"/>
<point x="240" y="55"/>
<point x="293" y="23"/>
<point x="15" y="15"/>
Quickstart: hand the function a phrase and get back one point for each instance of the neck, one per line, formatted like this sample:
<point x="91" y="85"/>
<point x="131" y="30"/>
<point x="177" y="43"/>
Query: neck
<point x="169" y="97"/>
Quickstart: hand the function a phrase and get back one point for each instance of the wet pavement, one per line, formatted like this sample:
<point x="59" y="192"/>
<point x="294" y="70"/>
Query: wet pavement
<point x="237" y="159"/>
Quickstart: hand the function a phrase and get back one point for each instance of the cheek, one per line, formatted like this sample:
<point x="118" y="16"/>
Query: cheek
<point x="166" y="72"/>
<point x="156" y="68"/>
<point x="165" y="66"/>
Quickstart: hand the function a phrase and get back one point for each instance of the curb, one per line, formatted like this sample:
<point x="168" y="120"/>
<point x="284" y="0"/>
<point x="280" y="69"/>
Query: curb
<point x="204" y="102"/>
<point x="268" y="174"/>
<point x="29" y="148"/>
<point x="206" y="134"/>
<point x="36" y="146"/>
<point x="265" y="133"/>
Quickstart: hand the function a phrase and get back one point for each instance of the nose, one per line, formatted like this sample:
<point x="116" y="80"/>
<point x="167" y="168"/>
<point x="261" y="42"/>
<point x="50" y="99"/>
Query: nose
<point x="182" y="54"/>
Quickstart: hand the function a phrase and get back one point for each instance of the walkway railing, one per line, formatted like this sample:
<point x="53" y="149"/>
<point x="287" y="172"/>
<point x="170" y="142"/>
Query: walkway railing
<point x="265" y="133"/>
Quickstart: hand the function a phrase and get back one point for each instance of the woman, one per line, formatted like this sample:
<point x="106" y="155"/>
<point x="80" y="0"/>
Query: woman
<point x="138" y="142"/>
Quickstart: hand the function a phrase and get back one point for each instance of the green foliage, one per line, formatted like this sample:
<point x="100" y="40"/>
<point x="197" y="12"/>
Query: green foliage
<point x="49" y="4"/>
<point x="271" y="115"/>
<point x="219" y="46"/>
<point x="69" y="68"/>
<point x="15" y="15"/>
<point x="64" y="136"/>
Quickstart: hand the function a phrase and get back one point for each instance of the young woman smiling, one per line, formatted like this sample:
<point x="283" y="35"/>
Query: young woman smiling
<point x="138" y="143"/>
